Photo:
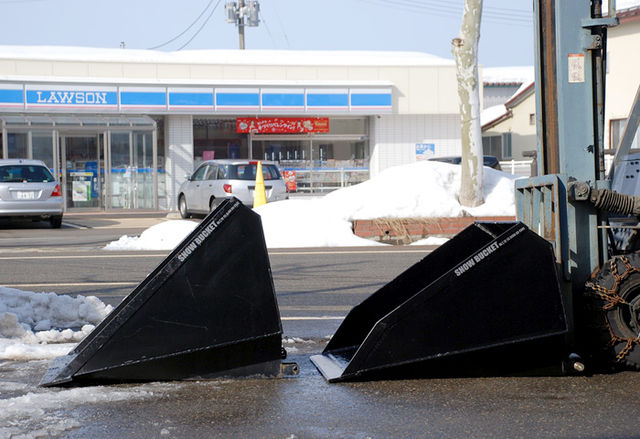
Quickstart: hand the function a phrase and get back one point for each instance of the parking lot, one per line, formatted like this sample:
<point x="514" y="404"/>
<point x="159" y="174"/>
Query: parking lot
<point x="315" y="289"/>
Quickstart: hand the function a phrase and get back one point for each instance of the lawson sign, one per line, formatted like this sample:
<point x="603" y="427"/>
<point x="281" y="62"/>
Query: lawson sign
<point x="230" y="100"/>
<point x="63" y="97"/>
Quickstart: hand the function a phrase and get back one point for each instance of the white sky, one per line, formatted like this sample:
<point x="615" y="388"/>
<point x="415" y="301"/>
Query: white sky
<point x="397" y="25"/>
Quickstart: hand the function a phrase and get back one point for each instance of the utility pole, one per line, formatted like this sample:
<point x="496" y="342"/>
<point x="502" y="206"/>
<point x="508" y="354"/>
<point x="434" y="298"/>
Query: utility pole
<point x="242" y="14"/>
<point x="241" y="25"/>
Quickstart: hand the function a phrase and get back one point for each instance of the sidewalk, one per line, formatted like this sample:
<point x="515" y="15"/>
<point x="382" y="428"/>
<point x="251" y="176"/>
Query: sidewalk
<point x="117" y="218"/>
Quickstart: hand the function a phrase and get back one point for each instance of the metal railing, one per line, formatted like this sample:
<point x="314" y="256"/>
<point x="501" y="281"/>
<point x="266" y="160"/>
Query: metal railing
<point x="325" y="176"/>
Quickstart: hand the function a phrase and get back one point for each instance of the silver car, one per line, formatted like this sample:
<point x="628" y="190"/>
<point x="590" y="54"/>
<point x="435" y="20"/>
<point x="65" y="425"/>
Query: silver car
<point x="27" y="189"/>
<point x="215" y="180"/>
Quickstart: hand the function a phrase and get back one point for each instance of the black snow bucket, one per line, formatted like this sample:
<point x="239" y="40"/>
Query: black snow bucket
<point x="487" y="302"/>
<point x="208" y="310"/>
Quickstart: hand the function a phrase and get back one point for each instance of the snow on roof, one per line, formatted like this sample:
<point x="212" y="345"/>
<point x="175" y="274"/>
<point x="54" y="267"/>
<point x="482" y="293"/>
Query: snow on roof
<point x="244" y="57"/>
<point x="502" y="75"/>
<point x="491" y="114"/>
<point x="524" y="87"/>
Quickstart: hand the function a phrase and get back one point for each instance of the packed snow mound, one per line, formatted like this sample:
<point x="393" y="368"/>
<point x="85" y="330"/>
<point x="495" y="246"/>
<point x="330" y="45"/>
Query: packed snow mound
<point x="164" y="236"/>
<point x="307" y="223"/>
<point x="423" y="189"/>
<point x="30" y="321"/>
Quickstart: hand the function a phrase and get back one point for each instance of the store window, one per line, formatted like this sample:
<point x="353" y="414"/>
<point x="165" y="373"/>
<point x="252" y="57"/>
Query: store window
<point x="218" y="139"/>
<point x="319" y="161"/>
<point x="17" y="145"/>
<point x="42" y="148"/>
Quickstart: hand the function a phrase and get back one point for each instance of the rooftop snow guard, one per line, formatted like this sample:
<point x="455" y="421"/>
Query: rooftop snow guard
<point x="487" y="302"/>
<point x="208" y="310"/>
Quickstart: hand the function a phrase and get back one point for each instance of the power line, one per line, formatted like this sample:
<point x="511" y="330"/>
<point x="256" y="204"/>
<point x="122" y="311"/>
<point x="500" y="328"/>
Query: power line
<point x="286" y="38"/>
<point x="448" y="11"/>
<point x="186" y="30"/>
<point x="487" y="9"/>
<point x="201" y="27"/>
<point x="456" y="10"/>
<point x="266" y="26"/>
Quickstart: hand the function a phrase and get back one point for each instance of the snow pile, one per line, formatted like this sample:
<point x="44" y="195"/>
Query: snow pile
<point x="420" y="190"/>
<point x="423" y="189"/>
<point x="164" y="236"/>
<point x="431" y="240"/>
<point x="30" y="321"/>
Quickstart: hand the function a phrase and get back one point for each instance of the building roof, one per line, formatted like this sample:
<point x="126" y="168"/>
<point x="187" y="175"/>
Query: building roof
<point x="492" y="116"/>
<point x="226" y="57"/>
<point x="507" y="76"/>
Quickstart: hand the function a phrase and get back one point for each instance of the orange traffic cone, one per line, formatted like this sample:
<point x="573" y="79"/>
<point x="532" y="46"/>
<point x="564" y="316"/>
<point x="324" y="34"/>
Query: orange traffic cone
<point x="259" y="193"/>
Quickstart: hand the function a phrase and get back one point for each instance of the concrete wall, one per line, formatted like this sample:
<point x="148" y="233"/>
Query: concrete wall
<point x="394" y="138"/>
<point x="496" y="95"/>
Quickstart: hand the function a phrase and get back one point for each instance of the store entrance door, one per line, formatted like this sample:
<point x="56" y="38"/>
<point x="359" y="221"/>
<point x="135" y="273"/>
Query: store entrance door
<point x="82" y="170"/>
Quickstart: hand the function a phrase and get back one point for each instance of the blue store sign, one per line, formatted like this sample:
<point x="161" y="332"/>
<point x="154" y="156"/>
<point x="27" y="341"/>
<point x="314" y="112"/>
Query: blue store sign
<point x="50" y="97"/>
<point x="258" y="100"/>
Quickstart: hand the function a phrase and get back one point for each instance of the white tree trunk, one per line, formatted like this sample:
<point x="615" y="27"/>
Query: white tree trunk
<point x="465" y="53"/>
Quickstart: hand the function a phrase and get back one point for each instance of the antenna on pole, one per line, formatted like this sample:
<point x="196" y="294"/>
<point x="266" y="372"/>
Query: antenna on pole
<point x="242" y="14"/>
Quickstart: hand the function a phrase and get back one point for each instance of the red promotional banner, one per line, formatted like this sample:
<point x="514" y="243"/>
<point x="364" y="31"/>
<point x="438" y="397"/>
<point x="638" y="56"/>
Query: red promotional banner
<point x="279" y="125"/>
<point x="291" y="180"/>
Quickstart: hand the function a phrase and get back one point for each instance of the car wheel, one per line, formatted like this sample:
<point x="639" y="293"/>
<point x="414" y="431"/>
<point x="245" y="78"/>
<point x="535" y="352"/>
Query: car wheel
<point x="182" y="207"/>
<point x="213" y="204"/>
<point x="56" y="221"/>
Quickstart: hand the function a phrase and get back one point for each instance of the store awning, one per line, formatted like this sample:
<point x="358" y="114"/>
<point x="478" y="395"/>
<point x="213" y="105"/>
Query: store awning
<point x="76" y="121"/>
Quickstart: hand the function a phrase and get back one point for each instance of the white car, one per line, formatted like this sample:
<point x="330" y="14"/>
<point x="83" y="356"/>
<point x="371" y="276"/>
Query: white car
<point x="28" y="189"/>
<point x="216" y="180"/>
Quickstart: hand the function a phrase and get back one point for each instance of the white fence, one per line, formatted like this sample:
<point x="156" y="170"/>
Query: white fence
<point x="517" y="167"/>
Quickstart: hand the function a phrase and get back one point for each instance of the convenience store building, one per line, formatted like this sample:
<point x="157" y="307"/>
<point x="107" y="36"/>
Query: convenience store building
<point x="122" y="128"/>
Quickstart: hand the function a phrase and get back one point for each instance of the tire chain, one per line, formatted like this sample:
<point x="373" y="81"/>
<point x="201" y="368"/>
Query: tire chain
<point x="611" y="299"/>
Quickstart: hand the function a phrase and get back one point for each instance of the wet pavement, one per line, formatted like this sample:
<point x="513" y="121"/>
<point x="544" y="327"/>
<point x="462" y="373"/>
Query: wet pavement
<point x="310" y="284"/>
<point x="308" y="407"/>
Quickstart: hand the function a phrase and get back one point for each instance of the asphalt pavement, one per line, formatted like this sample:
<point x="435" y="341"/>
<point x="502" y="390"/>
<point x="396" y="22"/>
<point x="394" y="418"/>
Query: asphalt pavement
<point x="315" y="289"/>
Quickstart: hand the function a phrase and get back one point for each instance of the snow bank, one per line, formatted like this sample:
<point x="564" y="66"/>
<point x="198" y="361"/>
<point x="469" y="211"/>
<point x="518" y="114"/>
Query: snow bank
<point x="164" y="236"/>
<point x="45" y="325"/>
<point x="420" y="190"/>
<point x="431" y="240"/>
